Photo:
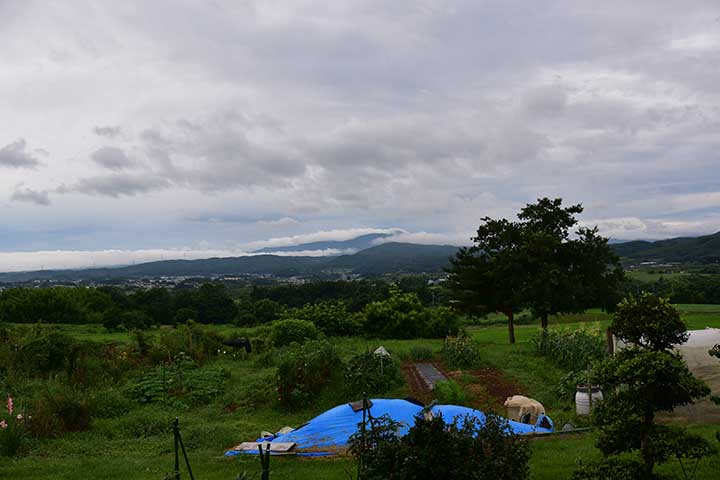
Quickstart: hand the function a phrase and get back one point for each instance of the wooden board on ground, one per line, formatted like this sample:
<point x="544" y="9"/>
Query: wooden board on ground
<point x="275" y="447"/>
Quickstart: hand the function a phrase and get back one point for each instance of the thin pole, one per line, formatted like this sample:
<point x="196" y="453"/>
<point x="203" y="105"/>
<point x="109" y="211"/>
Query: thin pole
<point x="177" y="458"/>
<point x="187" y="462"/>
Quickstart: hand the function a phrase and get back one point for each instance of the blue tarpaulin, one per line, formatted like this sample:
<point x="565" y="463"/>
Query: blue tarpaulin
<point x="332" y="429"/>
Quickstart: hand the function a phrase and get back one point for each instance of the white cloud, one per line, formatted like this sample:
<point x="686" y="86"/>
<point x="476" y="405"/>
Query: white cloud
<point x="423" y="238"/>
<point x="322" y="236"/>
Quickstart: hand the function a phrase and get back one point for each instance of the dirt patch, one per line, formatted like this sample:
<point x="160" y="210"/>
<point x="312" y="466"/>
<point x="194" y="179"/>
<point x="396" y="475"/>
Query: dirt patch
<point x="488" y="388"/>
<point x="497" y="384"/>
<point x="418" y="388"/>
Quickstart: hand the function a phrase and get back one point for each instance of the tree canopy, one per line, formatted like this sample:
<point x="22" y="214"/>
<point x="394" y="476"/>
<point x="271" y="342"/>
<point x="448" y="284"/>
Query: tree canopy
<point x="535" y="262"/>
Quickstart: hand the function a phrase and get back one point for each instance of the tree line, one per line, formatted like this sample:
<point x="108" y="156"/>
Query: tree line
<point x="691" y="288"/>
<point x="114" y="307"/>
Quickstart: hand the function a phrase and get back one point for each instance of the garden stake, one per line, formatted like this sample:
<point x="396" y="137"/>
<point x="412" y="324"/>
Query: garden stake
<point x="176" y="471"/>
<point x="179" y="442"/>
<point x="265" y="462"/>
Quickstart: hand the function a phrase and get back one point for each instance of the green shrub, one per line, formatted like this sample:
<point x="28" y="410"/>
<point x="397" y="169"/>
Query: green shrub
<point x="331" y="318"/>
<point x="196" y="340"/>
<point x="371" y="374"/>
<point x="404" y="316"/>
<point x="181" y="383"/>
<point x="41" y="351"/>
<point x="461" y="351"/>
<point x="463" y="450"/>
<point x="306" y="370"/>
<point x="250" y="390"/>
<point x="612" y="468"/>
<point x="110" y="403"/>
<point x="285" y="332"/>
<point x="449" y="392"/>
<point x="421" y="353"/>
<point x="59" y="409"/>
<point x="141" y="422"/>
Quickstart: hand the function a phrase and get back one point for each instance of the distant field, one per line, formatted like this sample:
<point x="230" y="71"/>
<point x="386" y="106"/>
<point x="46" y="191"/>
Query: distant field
<point x="652" y="276"/>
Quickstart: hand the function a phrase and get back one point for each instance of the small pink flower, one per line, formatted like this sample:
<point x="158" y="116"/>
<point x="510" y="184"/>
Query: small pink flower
<point x="3" y="424"/>
<point x="10" y="405"/>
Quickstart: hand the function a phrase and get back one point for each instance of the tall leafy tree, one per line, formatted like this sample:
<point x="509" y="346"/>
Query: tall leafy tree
<point x="564" y="273"/>
<point x="536" y="263"/>
<point x="487" y="277"/>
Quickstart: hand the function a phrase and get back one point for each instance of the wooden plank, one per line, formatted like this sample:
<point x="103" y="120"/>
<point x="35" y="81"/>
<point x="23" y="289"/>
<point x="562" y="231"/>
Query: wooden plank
<point x="275" y="447"/>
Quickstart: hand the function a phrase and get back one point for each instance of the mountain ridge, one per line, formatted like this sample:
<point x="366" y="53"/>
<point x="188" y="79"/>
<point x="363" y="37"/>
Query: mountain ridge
<point x="358" y="243"/>
<point x="381" y="259"/>
<point x="703" y="249"/>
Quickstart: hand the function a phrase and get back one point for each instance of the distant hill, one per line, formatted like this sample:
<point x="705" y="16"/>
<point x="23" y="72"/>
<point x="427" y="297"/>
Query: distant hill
<point x="270" y="264"/>
<point x="355" y="244"/>
<point x="699" y="250"/>
<point x="378" y="260"/>
<point x="395" y="257"/>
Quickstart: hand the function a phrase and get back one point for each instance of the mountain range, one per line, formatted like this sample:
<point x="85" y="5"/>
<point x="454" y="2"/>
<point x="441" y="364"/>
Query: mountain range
<point x="699" y="250"/>
<point x="376" y="260"/>
<point x="369" y="260"/>
<point x="354" y="244"/>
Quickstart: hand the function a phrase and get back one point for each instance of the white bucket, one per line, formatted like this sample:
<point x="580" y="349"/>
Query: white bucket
<point x="584" y="400"/>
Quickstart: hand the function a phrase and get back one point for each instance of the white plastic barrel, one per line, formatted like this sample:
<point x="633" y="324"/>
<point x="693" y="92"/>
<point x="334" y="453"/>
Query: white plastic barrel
<point x="583" y="399"/>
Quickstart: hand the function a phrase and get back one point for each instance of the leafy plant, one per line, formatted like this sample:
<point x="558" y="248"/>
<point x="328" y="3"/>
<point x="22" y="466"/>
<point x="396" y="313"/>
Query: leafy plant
<point x="449" y="392"/>
<point x="420" y="353"/>
<point x="305" y="370"/>
<point x="433" y="449"/>
<point x="180" y="383"/>
<point x="285" y="332"/>
<point x="12" y="430"/>
<point x="404" y="316"/>
<point x="576" y="350"/>
<point x="331" y="318"/>
<point x="460" y="351"/>
<point x="59" y="409"/>
<point x="649" y="322"/>
<point x="371" y="374"/>
<point x="195" y="340"/>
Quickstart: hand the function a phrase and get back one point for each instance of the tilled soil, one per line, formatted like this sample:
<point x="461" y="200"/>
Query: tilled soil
<point x="489" y="389"/>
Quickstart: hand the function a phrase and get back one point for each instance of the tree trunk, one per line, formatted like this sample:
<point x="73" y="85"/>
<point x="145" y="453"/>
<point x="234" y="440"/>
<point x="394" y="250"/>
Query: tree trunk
<point x="511" y="326"/>
<point x="544" y="320"/>
<point x="646" y="446"/>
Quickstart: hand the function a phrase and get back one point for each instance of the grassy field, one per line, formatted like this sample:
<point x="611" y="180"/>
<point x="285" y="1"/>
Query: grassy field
<point x="112" y="448"/>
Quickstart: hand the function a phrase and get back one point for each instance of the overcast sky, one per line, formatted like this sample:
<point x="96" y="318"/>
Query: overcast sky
<point x="144" y="130"/>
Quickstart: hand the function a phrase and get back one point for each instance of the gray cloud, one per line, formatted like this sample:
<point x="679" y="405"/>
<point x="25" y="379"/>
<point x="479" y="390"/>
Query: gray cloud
<point x="217" y="153"/>
<point x="118" y="185"/>
<point x="38" y="197"/>
<point x="425" y="115"/>
<point x="108" y="131"/>
<point x="112" y="158"/>
<point x="15" y="155"/>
